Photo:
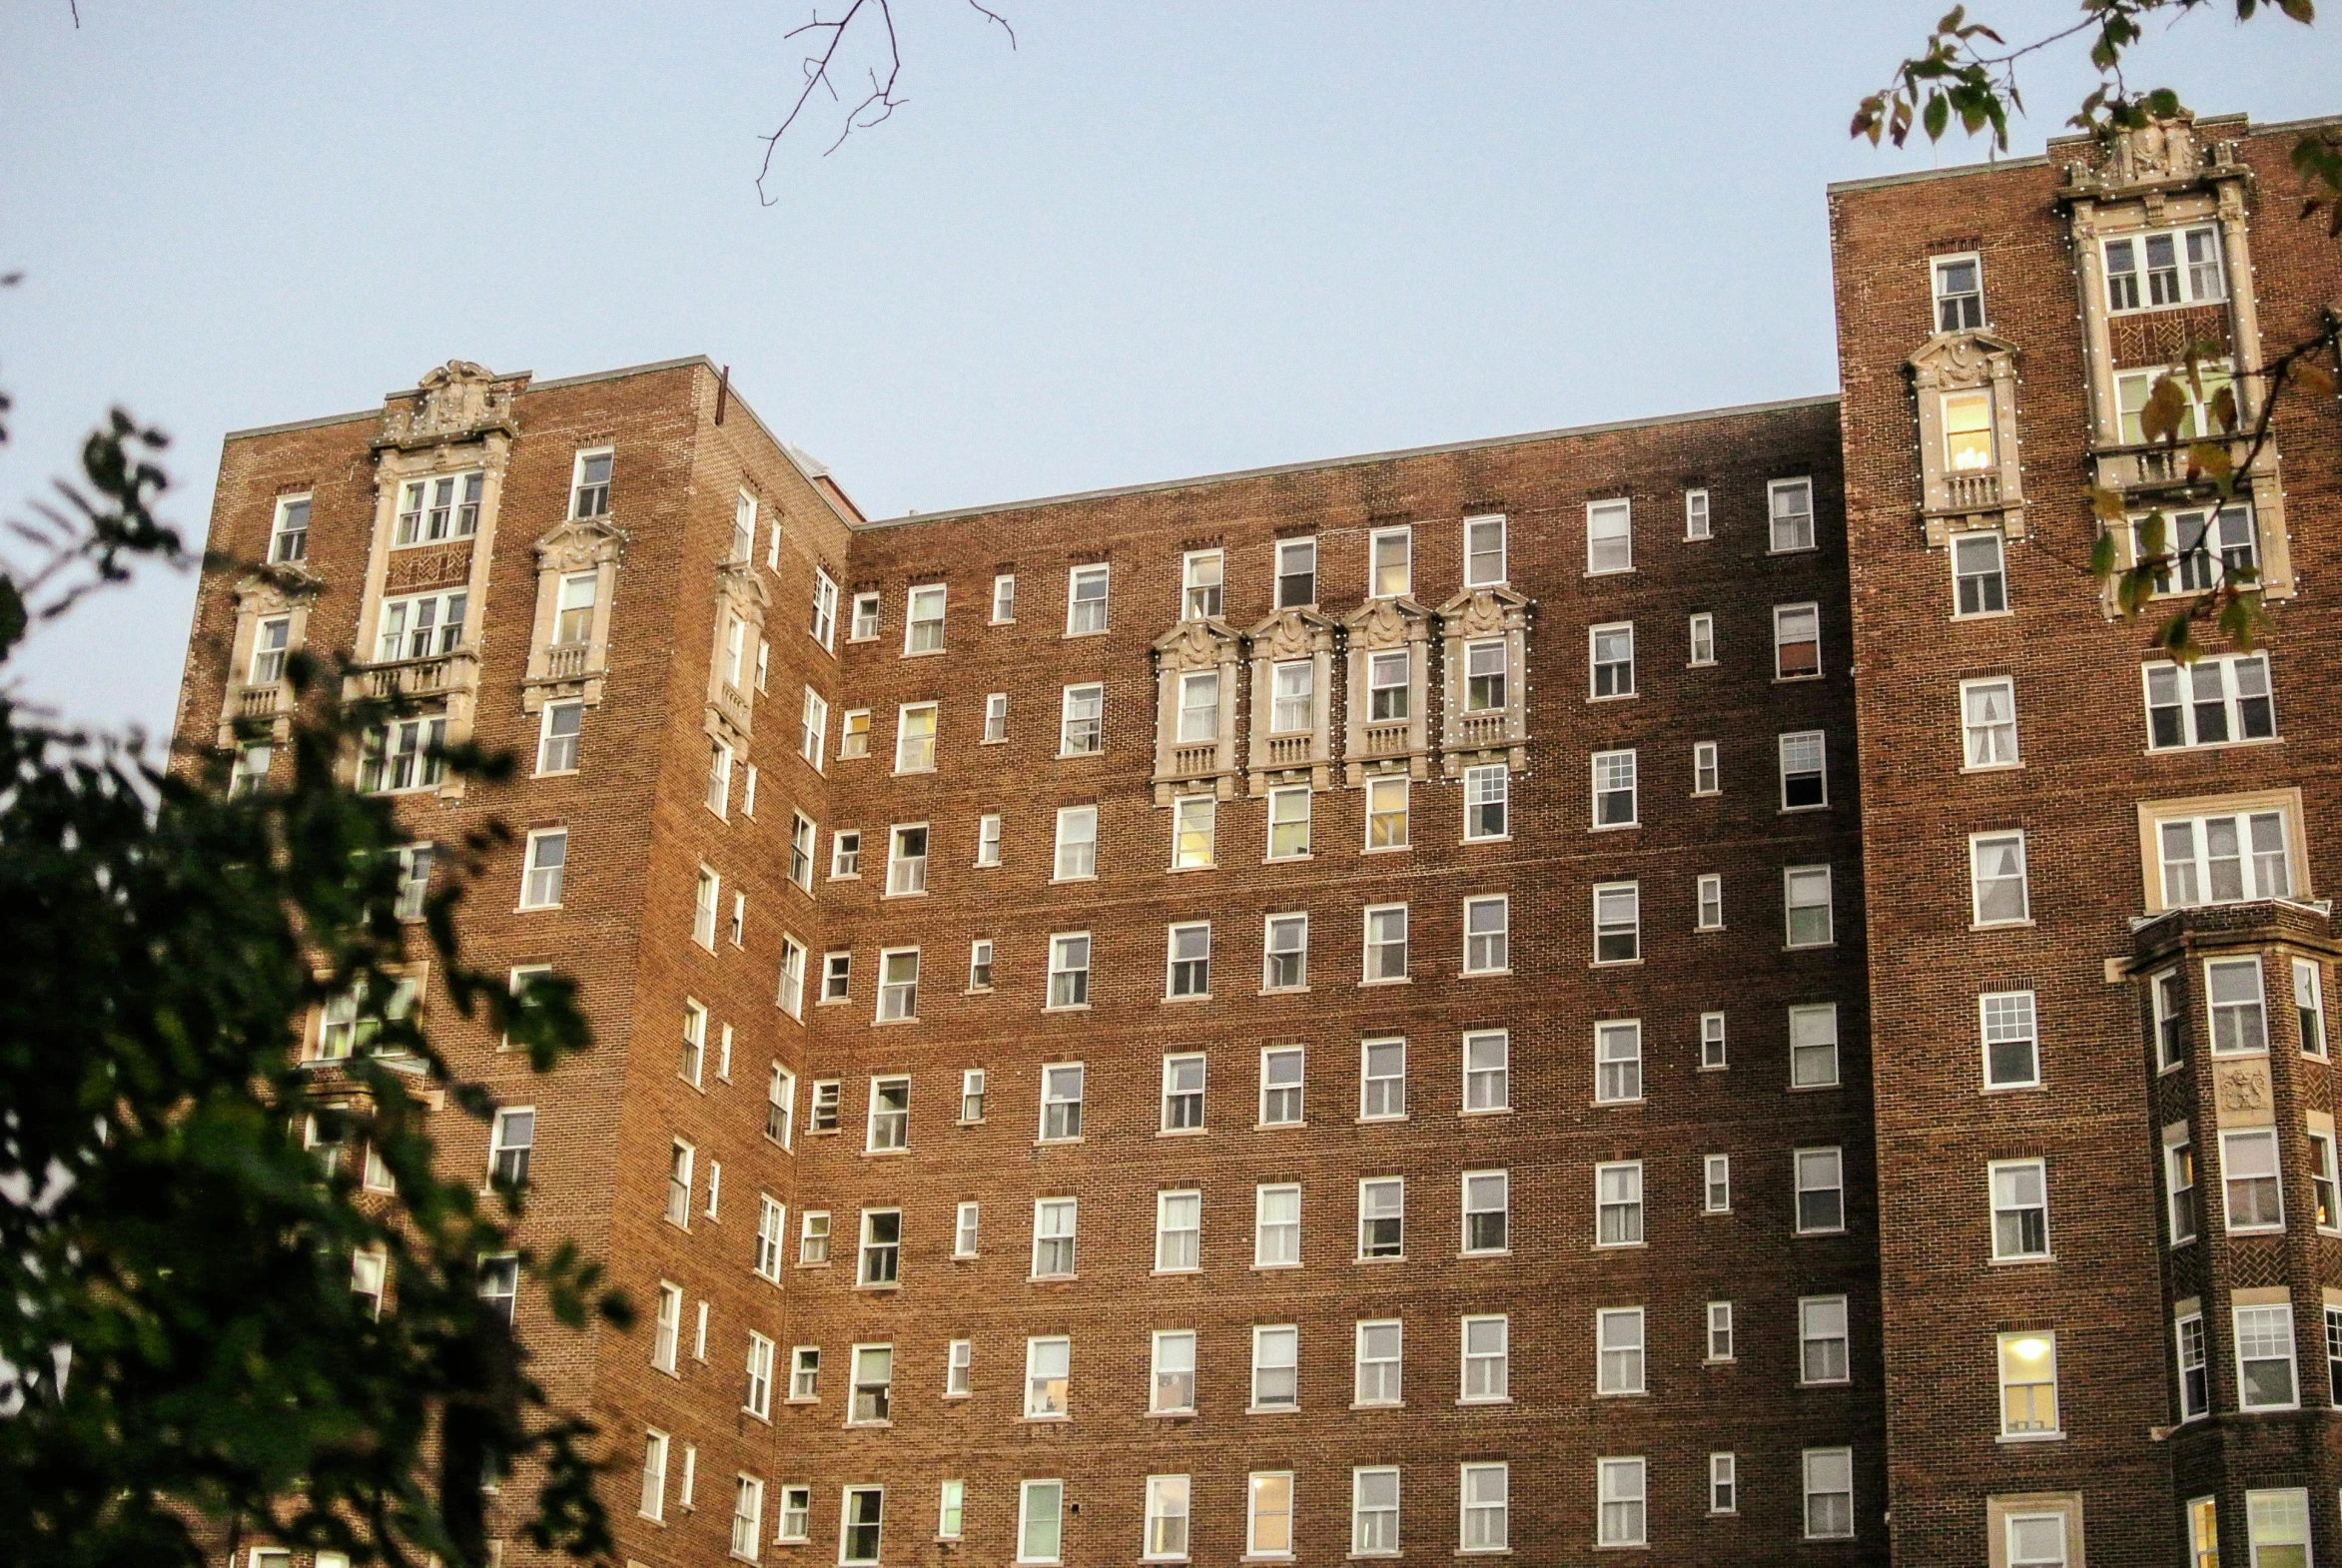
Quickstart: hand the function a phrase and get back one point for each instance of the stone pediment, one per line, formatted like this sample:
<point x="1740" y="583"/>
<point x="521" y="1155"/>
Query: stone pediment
<point x="579" y="544"/>
<point x="739" y="584"/>
<point x="272" y="589"/>
<point x="1960" y="359"/>
<point x="2160" y="153"/>
<point x="1386" y="623"/>
<point x="1292" y="634"/>
<point x="1483" y="612"/>
<point x="1194" y="643"/>
<point x="459" y="401"/>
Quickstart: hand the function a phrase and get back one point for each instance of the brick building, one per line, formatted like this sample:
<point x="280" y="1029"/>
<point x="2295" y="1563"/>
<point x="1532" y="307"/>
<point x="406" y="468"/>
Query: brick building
<point x="1330" y="1012"/>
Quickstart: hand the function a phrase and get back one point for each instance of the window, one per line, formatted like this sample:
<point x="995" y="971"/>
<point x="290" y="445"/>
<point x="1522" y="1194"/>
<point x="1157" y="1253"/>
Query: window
<point x="2333" y="1317"/>
<point x="1829" y="1478"/>
<point x="1069" y="969"/>
<point x="289" y="531"/>
<point x="2309" y="1007"/>
<point x="771" y="1219"/>
<point x="2021" y="1208"/>
<point x="995" y="718"/>
<point x="1277" y="1226"/>
<point x="1813" y="1045"/>
<point x="2249" y="1180"/>
<point x="1198" y="707"/>
<point x="1275" y="1368"/>
<point x="950" y="1510"/>
<point x="510" y="1141"/>
<point x="1621" y="1487"/>
<point x="1821" y="1192"/>
<point x="1614" y="789"/>
<point x="1618" y="922"/>
<point x="1047" y="1377"/>
<point x="369" y="1269"/>
<point x="1715" y="1184"/>
<point x="1200" y="574"/>
<point x="1996" y="875"/>
<point x="2029" y="1384"/>
<point x="1720" y="1332"/>
<point x="1390" y="686"/>
<point x="1989" y="722"/>
<point x="898" y="984"/>
<point x="1610" y="541"/>
<point x="1183" y="1092"/>
<point x="889" y="1124"/>
<point x="854" y="733"/>
<point x="1712" y="1044"/>
<point x="1055" y="1223"/>
<point x="2225" y="858"/>
<point x="967" y="1229"/>
<point x="1617" y="1340"/>
<point x="1289" y="824"/>
<point x="1697" y="524"/>
<point x="1483" y="551"/>
<point x="2197" y="550"/>
<point x="1061" y="1102"/>
<point x="780" y="1109"/>
<point x="1374" y="1511"/>
<point x="988" y="838"/>
<point x="415" y="880"/>
<point x="2211" y="702"/>
<point x="865" y="623"/>
<point x="1187" y="961"/>
<point x="824" y="626"/>
<point x="1172" y="1373"/>
<point x="1389" y="562"/>
<point x="813" y="726"/>
<point x="1292" y="702"/>
<point x="1179" y="1232"/>
<point x="2264" y="1359"/>
<point x="1805" y="778"/>
<point x="1195" y="832"/>
<point x="2181" y="267"/>
<point x="1268" y="1521"/>
<point x="1285" y="946"/>
<point x="1487" y="935"/>
<point x="653" y="1504"/>
<point x="1821" y="1339"/>
<point x="861" y="1519"/>
<point x="1085" y="593"/>
<point x="813" y="1240"/>
<point x="1382" y="1080"/>
<point x="252" y="770"/>
<point x="1382" y="1216"/>
<point x="2195" y="1378"/>
<point x="343" y="1026"/>
<point x="1487" y="1210"/>
<point x="1077" y="843"/>
<point x="1806" y="896"/>
<point x="1376" y="1379"/>
<point x="1387" y="811"/>
<point x="704" y="897"/>
<point x="1792" y="503"/>
<point x="548" y="857"/>
<point x="1703" y="639"/>
<point x="2179" y="1182"/>
<point x="667" y="1328"/>
<point x="1080" y="721"/>
<point x="915" y="738"/>
<point x="958" y="1368"/>
<point x="1167" y="1519"/>
<point x="2011" y="1046"/>
<point x="1487" y="1071"/>
<point x="2239" y="1015"/>
<point x="923" y="620"/>
<point x="1487" y="802"/>
<point x="420" y="625"/>
<point x="2197" y="391"/>
<point x="1296" y="572"/>
<point x="590" y="485"/>
<point x="1611" y="657"/>
<point x="882" y="1247"/>
<point x="1004" y="598"/>
<point x="405" y="754"/>
<point x="1709" y="907"/>
<point x="2277" y="1527"/>
<point x="758" y="1400"/>
<point x="270" y="641"/>
<point x="1967" y="432"/>
<point x="1618" y="1062"/>
<point x="1386" y="943"/>
<point x="1617" y="1204"/>
<point x="1979" y="577"/>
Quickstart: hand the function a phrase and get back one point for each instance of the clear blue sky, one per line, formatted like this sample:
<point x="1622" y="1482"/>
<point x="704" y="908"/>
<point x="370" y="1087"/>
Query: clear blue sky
<point x="1153" y="240"/>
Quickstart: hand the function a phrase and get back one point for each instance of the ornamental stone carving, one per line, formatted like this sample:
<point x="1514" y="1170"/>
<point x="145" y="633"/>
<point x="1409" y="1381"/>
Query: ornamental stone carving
<point x="1292" y="727"/>
<point x="576" y="584"/>
<point x="1962" y="487"/>
<point x="1388" y="694"/>
<point x="1485" y="707"/>
<point x="262" y="709"/>
<point x="741" y="602"/>
<point x="1198" y="665"/>
<point x="459" y="400"/>
<point x="2242" y="1092"/>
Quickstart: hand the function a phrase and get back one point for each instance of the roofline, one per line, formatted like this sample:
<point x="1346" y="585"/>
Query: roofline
<point x="1736" y="411"/>
<point x="2042" y="159"/>
<point x="376" y="412"/>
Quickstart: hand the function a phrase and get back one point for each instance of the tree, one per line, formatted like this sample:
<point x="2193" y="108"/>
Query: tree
<point x="185" y="1207"/>
<point x="1969" y="71"/>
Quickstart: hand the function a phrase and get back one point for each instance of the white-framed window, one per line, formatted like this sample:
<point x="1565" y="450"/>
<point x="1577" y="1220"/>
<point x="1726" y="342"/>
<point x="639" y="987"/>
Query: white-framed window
<point x="1376" y="1362"/>
<point x="1703" y="639"/>
<point x="1284" y="951"/>
<point x="2197" y="391"/>
<point x="1069" y="969"/>
<point x="1041" y="1521"/>
<point x="667" y="1328"/>
<point x="958" y="1368"/>
<point x="1276" y="1226"/>
<point x="1806" y="904"/>
<point x="1959" y="289"/>
<point x="1997" y="879"/>
<point x="966" y="1229"/>
<point x="2198" y="548"/>
<point x="864" y="626"/>
<point x="802" y="837"/>
<point x="898" y="984"/>
<point x="1610" y="660"/>
<point x="2011" y="1041"/>
<point x="1297" y="573"/>
<point x="772" y="1219"/>
<point x="1179" y="1232"/>
<point x="2265" y="1377"/>
<point x="1288" y="823"/>
<point x="988" y="838"/>
<point x="2252" y="1190"/>
<point x="1194" y="833"/>
<point x="1268" y="1514"/>
<point x="545" y="863"/>
<point x="845" y="854"/>
<point x="1980" y="574"/>
<point x="557" y="735"/>
<point x="1172" y="1372"/>
<point x="654" y="1499"/>
<point x="573" y="610"/>
<point x="1712" y="1056"/>
<point x="1056" y="1226"/>
<point x="1484" y="566"/>
<point x="1276" y="1351"/>
<point x="694" y="1042"/>
<point x="1198" y="707"/>
<point x="2309" y="1007"/>
<point x="1487" y="802"/>
<point x="861" y="1523"/>
<point x="1715" y="1184"/>
<point x="1610" y="537"/>
<point x="950" y="1510"/>
<point x="1086" y="600"/>
<point x="1791" y="505"/>
<point x="1618" y="1204"/>
<point x="2238" y="1006"/>
<point x="1967" y="430"/>
<point x="1048" y="1362"/>
<point x="823" y="629"/>
<point x="2212" y="702"/>
<point x="1813" y="1045"/>
<point x="1698" y="523"/>
<point x="1723" y="1483"/>
<point x="2021" y="1208"/>
<point x="813" y="1248"/>
<point x="589" y="483"/>
<point x="1202" y="582"/>
<point x="1719" y="1345"/>
<point x="404" y="755"/>
<point x="1074" y="857"/>
<point x="1708" y="904"/>
<point x="1292" y="697"/>
<point x="2228" y="858"/>
<point x="1829" y="1485"/>
<point x="1484" y="1508"/>
<point x="1821" y="1339"/>
<point x="1487" y="1197"/>
<point x="1187" y="961"/>
<point x="1487" y="935"/>
<point x="2154" y="271"/>
<point x="1618" y="1347"/>
<point x="1804" y="770"/>
<point x="1382" y="1216"/>
<point x="1390" y="562"/>
<point x="708" y="892"/>
<point x="2195" y="1375"/>
<point x="780" y="1107"/>
<point x="1374" y="1511"/>
<point x="1183" y="1091"/>
<point x="2029" y="1384"/>
<point x="1618" y="922"/>
<point x="1061" y="1102"/>
<point x="854" y="733"/>
<point x="1387" y="811"/>
<point x="1797" y="641"/>
<point x="914" y="725"/>
<point x="1487" y="1071"/>
<point x="271" y="642"/>
<point x="813" y="728"/>
<point x="1080" y="720"/>
<point x="1614" y="790"/>
<point x="923" y="619"/>
<point x="886" y="1128"/>
<point x="1820" y="1191"/>
<point x="2179" y="1182"/>
<point x="906" y="859"/>
<point x="1166" y="1538"/>
<point x="2276" y="1523"/>
<point x="1621" y="1494"/>
<point x="1382" y="1080"/>
<point x="1618" y="1061"/>
<point x="288" y="530"/>
<point x="718" y="794"/>
<point x="882" y="1247"/>
<point x="1988" y="715"/>
<point x="758" y="1402"/>
<point x="1004" y="598"/>
<point x="1386" y="943"/>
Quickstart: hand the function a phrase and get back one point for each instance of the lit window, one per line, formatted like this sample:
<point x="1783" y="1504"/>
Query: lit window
<point x="1617" y="1204"/>
<point x="1618" y="1062"/>
<point x="1288" y="823"/>
<point x="1960" y="293"/>
<point x="1275" y="1368"/>
<point x="1483" y="551"/>
<point x="1047" y="1377"/>
<point x="1797" y="641"/>
<point x="1610" y="542"/>
<point x="1296" y="572"/>
<point x="1268" y="1520"/>
<point x="1618" y="1335"/>
<point x="854" y="734"/>
<point x="1389" y="562"/>
<point x="1614" y="789"/>
<point x="1201" y="575"/>
<point x="1968" y="430"/>
<point x="1387" y="811"/>
<point x="2264" y="1359"/>
<point x="1069" y="969"/>
<point x="1377" y="1368"/>
<point x="1085" y="593"/>
<point x="1382" y="1216"/>
<point x="1285" y="964"/>
<point x="1487" y="802"/>
<point x="1618" y="922"/>
<point x="1792" y="505"/>
<point x="1487" y="1071"/>
<point x="1621" y="1487"/>
<point x="2209" y="703"/>
<point x="1172" y="1373"/>
<point x="1386" y="944"/>
<point x="2011" y="1041"/>
<point x="1277" y="1226"/>
<point x="1195" y="832"/>
<point x="1821" y="1192"/>
<point x="1807" y="906"/>
<point x="1611" y="659"/>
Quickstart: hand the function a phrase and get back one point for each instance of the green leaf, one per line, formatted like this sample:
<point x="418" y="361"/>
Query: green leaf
<point x="2102" y="556"/>
<point x="2166" y="407"/>
<point x="12" y="614"/>
<point x="1938" y="117"/>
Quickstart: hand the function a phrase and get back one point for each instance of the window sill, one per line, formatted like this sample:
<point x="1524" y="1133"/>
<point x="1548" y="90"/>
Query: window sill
<point x="994" y="741"/>
<point x="977" y="990"/>
<point x="1794" y="811"/>
<point x="1286" y="860"/>
<point x="1489" y="838"/>
<point x="1720" y="1360"/>
<point x="1045" y="1421"/>
<point x="1373" y="1120"/>
<point x="2236" y="1056"/>
<point x="2032" y="1257"/>
<point x="1620" y="1246"/>
<point x="1073" y="636"/>
<point x="881" y="1287"/>
<point x="1812" y="1089"/>
<point x="2031" y="1437"/>
<point x="1710" y="1213"/>
<point x="2001" y="925"/>
<point x="1612" y="697"/>
<point x="881" y="1154"/>
<point x="1713" y="1066"/>
<point x="2024" y="1088"/>
<point x="1178" y="870"/>
<point x="1996" y="767"/>
<point x="1699" y="664"/>
<point x="1274" y="1127"/>
<point x="1841" y="1230"/>
<point x="1614" y="962"/>
<point x="925" y="654"/>
<point x="1183" y="1131"/>
<point x="1282" y="991"/>
<point x="1499" y="1252"/>
<point x="1052" y="1142"/>
<point x="1271" y="1410"/>
<point x="1810" y="946"/>
<point x="1485" y="1111"/>
<point x="1787" y="681"/>
<point x="1369" y="1263"/>
<point x="1193" y="996"/>
<point x="1272" y="1269"/>
<point x="1173" y="1273"/>
<point x="1612" y="827"/>
<point x="2216" y="745"/>
<point x="1172" y="1415"/>
<point x="886" y="1023"/>
<point x="1063" y="881"/>
<point x="1600" y="1104"/>
<point x="1704" y="930"/>
<point x="891" y="893"/>
<point x="1389" y="980"/>
<point x="794" y="1399"/>
<point x="2256" y="1231"/>
<point x="1387" y="849"/>
<point x="1486" y="974"/>
<point x="1069" y="1006"/>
